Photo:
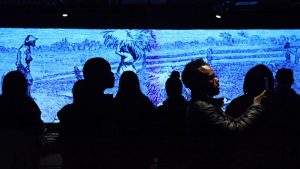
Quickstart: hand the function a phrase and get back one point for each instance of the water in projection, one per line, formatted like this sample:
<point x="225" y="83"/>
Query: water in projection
<point x="52" y="59"/>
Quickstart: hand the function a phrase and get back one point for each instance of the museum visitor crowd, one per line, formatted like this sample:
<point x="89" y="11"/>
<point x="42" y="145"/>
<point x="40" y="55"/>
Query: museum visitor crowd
<point x="258" y="130"/>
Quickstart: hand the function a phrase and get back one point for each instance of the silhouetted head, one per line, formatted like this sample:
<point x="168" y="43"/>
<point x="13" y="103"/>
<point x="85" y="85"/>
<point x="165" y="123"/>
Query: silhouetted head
<point x="285" y="78"/>
<point x="14" y="84"/>
<point x="78" y="91"/>
<point x="255" y="79"/>
<point x="200" y="78"/>
<point x="97" y="73"/>
<point x="174" y="85"/>
<point x="129" y="84"/>
<point x="30" y="40"/>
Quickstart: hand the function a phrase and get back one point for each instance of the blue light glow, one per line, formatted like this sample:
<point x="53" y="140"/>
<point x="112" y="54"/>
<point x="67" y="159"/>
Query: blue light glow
<point x="59" y="54"/>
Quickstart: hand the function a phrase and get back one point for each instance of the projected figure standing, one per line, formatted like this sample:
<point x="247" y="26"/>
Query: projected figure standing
<point x="287" y="47"/>
<point x="24" y="58"/>
<point x="130" y="45"/>
<point x="209" y="56"/>
<point x="296" y="56"/>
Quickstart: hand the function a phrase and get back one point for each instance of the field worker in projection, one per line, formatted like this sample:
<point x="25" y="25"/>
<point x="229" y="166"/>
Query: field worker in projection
<point x="209" y="57"/>
<point x="131" y="45"/>
<point x="24" y="58"/>
<point x="296" y="56"/>
<point x="128" y="58"/>
<point x="287" y="47"/>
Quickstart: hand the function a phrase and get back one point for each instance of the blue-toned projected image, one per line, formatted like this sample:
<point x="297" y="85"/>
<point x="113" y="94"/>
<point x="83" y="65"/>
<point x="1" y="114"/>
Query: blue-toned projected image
<point x="52" y="59"/>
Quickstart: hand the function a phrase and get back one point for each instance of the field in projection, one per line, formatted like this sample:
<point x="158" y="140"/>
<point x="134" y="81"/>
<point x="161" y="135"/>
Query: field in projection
<point x="59" y="54"/>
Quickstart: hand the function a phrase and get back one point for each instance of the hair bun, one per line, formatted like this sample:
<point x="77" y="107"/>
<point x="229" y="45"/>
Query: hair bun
<point x="175" y="75"/>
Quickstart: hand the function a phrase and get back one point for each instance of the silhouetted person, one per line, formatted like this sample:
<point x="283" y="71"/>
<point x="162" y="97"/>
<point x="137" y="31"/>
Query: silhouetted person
<point x="171" y="126"/>
<point x="286" y="102"/>
<point x="69" y="118"/>
<point x="285" y="80"/>
<point x="134" y="119"/>
<point x="91" y="119"/>
<point x="254" y="84"/>
<point x="254" y="146"/>
<point x="209" y="128"/>
<point x="21" y="125"/>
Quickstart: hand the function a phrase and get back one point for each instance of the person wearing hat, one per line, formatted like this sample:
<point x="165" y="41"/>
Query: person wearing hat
<point x="24" y="58"/>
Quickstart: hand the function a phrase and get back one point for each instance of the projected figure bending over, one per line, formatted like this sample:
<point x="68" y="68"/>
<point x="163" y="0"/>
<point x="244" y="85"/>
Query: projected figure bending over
<point x="128" y="58"/>
<point x="24" y="58"/>
<point x="130" y="45"/>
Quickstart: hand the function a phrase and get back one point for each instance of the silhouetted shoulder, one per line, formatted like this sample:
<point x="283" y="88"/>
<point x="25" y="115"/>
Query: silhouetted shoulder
<point x="218" y="118"/>
<point x="65" y="112"/>
<point x="238" y="105"/>
<point x="147" y="101"/>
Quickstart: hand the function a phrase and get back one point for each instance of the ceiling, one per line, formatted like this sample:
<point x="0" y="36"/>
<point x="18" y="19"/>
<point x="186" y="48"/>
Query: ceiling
<point x="113" y="3"/>
<point x="169" y="13"/>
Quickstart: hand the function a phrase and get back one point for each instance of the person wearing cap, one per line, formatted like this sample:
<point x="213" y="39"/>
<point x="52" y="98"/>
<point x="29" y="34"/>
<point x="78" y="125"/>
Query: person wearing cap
<point x="24" y="58"/>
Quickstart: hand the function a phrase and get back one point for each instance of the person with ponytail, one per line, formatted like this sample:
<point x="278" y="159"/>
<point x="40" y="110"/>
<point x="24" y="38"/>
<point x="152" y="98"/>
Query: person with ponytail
<point x="171" y="115"/>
